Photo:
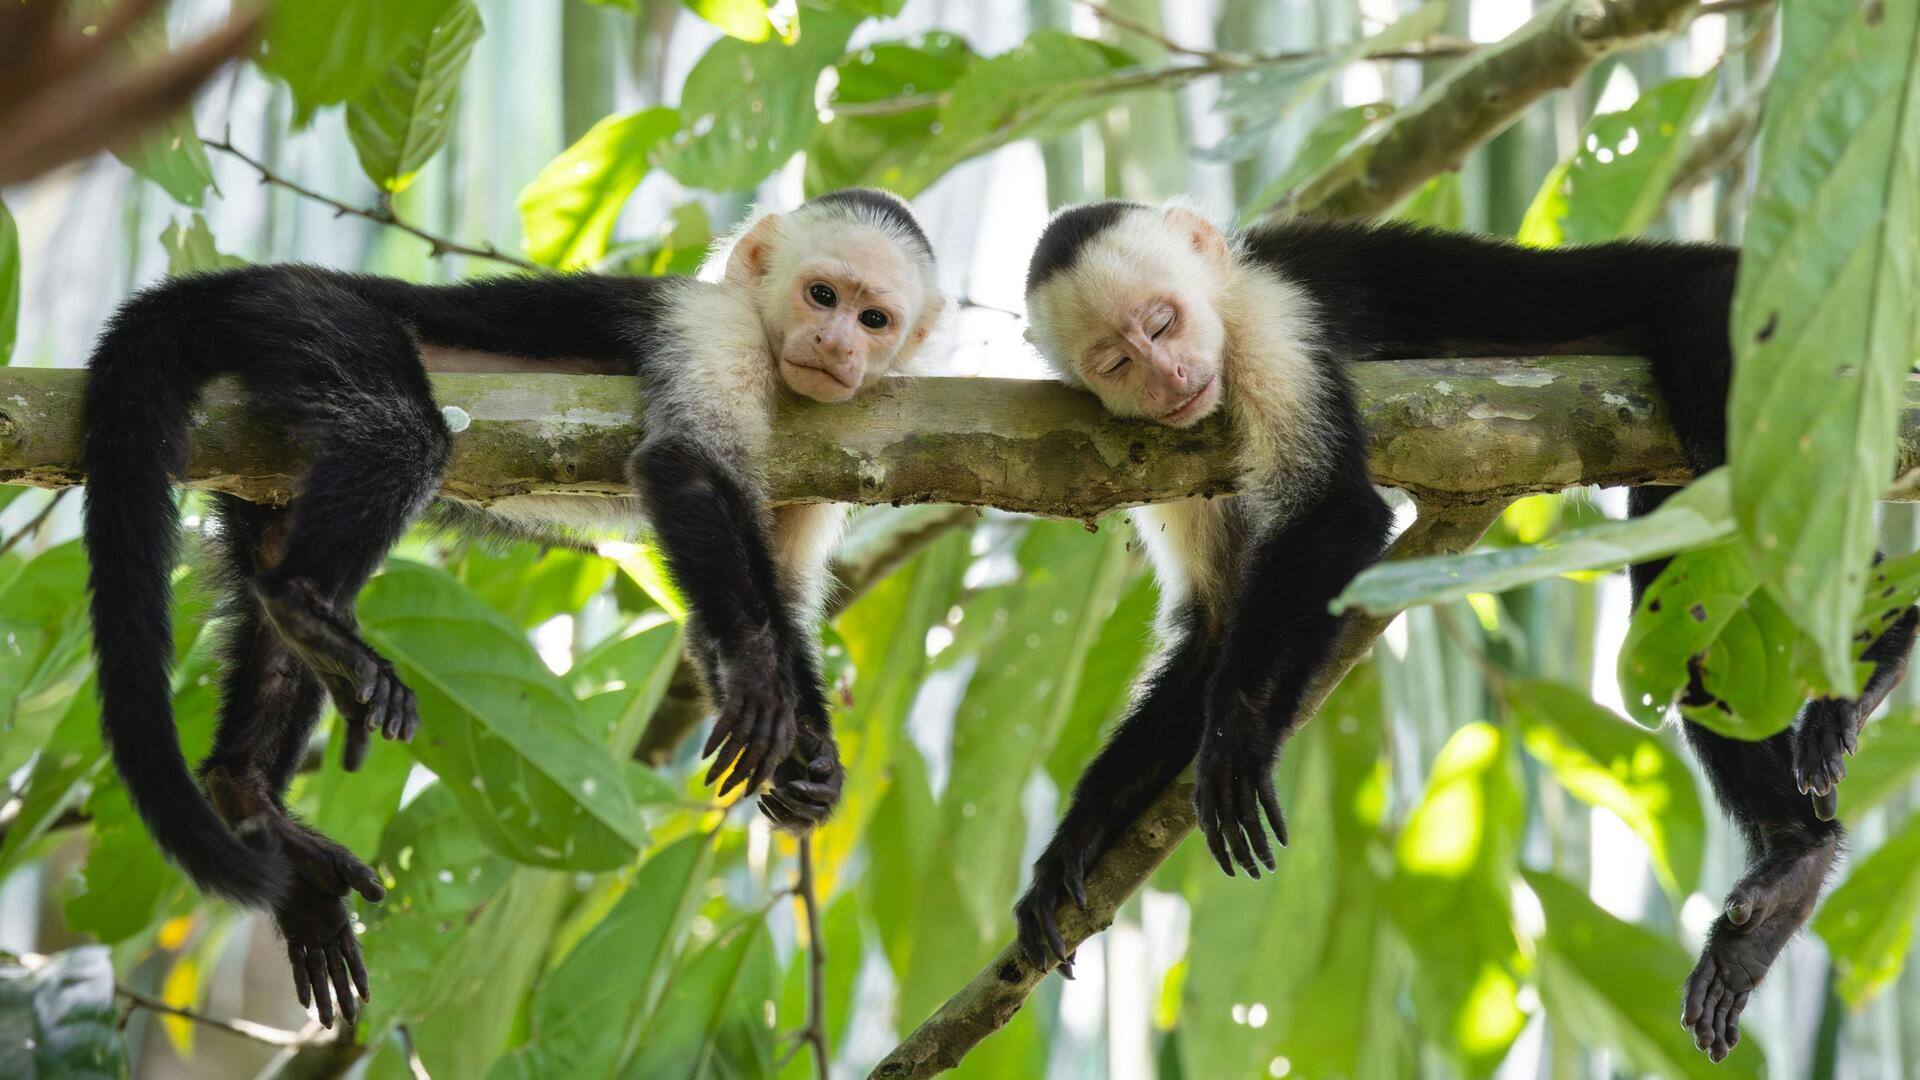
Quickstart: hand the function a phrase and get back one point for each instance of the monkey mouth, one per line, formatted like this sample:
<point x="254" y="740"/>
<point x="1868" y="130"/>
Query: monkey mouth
<point x="1185" y="411"/>
<point x="850" y="388"/>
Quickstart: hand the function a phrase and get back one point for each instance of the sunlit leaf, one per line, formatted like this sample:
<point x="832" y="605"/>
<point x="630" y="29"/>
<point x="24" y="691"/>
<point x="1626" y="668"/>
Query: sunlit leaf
<point x="60" y="1019"/>
<point x="1698" y="516"/>
<point x="401" y="119"/>
<point x="530" y="585"/>
<point x="621" y="681"/>
<point x="854" y="149"/>
<point x="1617" y="986"/>
<point x="1437" y="204"/>
<point x="749" y="106"/>
<point x="744" y="19"/>
<point x="1451" y="898"/>
<point x="1889" y="758"/>
<point x="569" y="210"/>
<point x="1867" y="922"/>
<point x="680" y="246"/>
<point x="1605" y="761"/>
<point x="507" y="738"/>
<point x="1823" y="326"/>
<point x="328" y="50"/>
<point x="715" y="1014"/>
<point x="1614" y="184"/>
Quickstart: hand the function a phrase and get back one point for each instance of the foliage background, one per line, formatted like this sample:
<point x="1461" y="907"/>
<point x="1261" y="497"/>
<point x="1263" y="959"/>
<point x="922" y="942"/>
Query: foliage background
<point x="1491" y="871"/>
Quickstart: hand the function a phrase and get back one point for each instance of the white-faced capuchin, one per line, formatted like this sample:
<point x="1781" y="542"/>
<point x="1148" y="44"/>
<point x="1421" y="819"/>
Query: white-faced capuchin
<point x="1165" y="318"/>
<point x="820" y="302"/>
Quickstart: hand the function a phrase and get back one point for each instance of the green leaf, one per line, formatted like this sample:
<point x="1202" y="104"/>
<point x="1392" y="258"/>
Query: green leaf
<point x="326" y="51"/>
<point x="529" y="584"/>
<point x="1029" y="642"/>
<point x="126" y="883"/>
<point x="60" y="1020"/>
<point x="58" y="781"/>
<point x="569" y="210"/>
<point x="1106" y="681"/>
<point x="1617" y="986"/>
<point x="190" y="248"/>
<point x="1615" y="182"/>
<point x="1867" y="922"/>
<point x="172" y="156"/>
<point x="401" y="119"/>
<point x="1436" y="205"/>
<point x="749" y="107"/>
<point x="498" y="727"/>
<point x="1823" y="326"/>
<point x="1329" y="137"/>
<point x="714" y="1012"/>
<point x="43" y="662"/>
<point x="744" y="19"/>
<point x="1451" y="898"/>
<point x="852" y="150"/>
<point x="1605" y="761"/>
<point x="623" y="679"/>
<point x="587" y="1012"/>
<point x="9" y="284"/>
<point x="679" y="247"/>
<point x="1698" y="516"/>
<point x="1888" y="760"/>
<point x="354" y="807"/>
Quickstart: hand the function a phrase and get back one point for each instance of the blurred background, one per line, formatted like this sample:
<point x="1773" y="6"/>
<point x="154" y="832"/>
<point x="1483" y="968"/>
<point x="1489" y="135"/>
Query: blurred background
<point x="1529" y="905"/>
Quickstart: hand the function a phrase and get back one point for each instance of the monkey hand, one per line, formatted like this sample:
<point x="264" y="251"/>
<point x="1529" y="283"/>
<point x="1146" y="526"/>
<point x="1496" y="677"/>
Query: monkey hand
<point x="1059" y="873"/>
<point x="755" y="731"/>
<point x="1233" y="788"/>
<point x="806" y="785"/>
<point x="315" y="921"/>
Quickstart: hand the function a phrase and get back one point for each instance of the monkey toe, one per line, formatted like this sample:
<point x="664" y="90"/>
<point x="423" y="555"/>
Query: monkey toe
<point x="1720" y="986"/>
<point x="354" y="747"/>
<point x="1039" y="932"/>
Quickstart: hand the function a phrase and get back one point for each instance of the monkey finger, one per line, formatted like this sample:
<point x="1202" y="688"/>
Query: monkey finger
<point x="342" y="987"/>
<point x="722" y="727"/>
<point x="403" y="717"/>
<point x="317" y="975"/>
<point x="1236" y="828"/>
<point x="376" y="717"/>
<point x="356" y="964"/>
<point x="1074" y="874"/>
<point x="363" y="880"/>
<point x="353" y="748"/>
<point x="366" y="678"/>
<point x="1203" y="806"/>
<point x="727" y="753"/>
<point x="296" y="956"/>
<point x="1696" y="999"/>
<point x="1059" y="946"/>
<point x="1270" y="804"/>
<point x="807" y="789"/>
<point x="1827" y="807"/>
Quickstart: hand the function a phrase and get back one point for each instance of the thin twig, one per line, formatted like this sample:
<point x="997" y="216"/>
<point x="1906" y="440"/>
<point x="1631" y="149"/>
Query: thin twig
<point x="1120" y="20"/>
<point x="815" y="1033"/>
<point x="976" y="305"/>
<point x="1729" y="7"/>
<point x="33" y="526"/>
<point x="246" y="1029"/>
<point x="380" y="213"/>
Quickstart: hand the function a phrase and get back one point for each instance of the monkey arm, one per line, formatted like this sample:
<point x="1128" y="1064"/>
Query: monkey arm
<point x="1153" y="743"/>
<point x="1276" y="637"/>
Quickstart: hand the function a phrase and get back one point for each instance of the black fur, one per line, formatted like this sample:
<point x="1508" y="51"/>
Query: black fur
<point x="881" y="206"/>
<point x="1392" y="291"/>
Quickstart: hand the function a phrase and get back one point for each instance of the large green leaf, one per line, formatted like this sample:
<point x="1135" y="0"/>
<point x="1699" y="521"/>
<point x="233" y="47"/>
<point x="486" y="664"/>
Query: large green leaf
<point x="569" y="210"/>
<point x="1823" y="323"/>
<point x="172" y="156"/>
<point x="744" y="19"/>
<point x="1614" y="184"/>
<point x="1334" y="133"/>
<point x="355" y="807"/>
<point x="68" y="763"/>
<point x="1106" y="681"/>
<point x="1028" y="642"/>
<point x="622" y="680"/>
<point x="749" y="106"/>
<point x="1451" y="898"/>
<point x="498" y="727"/>
<point x="326" y="51"/>
<point x="1617" y="986"/>
<point x="588" y="1011"/>
<point x="1605" y="761"/>
<point x="1867" y="922"/>
<point x="9" y="284"/>
<point x="714" y="1017"/>
<point x="1706" y="612"/>
<point x="58" y="1021"/>
<point x="530" y="585"/>
<point x="403" y="118"/>
<point x="878" y="150"/>
<point x="1698" y="516"/>
<point x="190" y="248"/>
<point x="44" y="659"/>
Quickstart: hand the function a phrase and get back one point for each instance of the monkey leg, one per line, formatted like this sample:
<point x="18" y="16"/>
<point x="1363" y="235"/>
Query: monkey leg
<point x="1791" y="851"/>
<point x="1829" y="729"/>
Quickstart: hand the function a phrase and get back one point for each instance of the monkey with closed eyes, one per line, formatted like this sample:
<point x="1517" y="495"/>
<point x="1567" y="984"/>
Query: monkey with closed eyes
<point x="820" y="302"/>
<point x="1164" y="317"/>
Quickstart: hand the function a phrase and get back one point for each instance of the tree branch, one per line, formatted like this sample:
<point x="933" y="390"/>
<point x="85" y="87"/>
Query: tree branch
<point x="1459" y="430"/>
<point x="991" y="998"/>
<point x="1479" y="99"/>
<point x="246" y="1029"/>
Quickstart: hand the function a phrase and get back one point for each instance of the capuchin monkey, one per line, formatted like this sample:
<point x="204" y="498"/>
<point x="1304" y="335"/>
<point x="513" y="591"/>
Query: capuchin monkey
<point x="1164" y="318"/>
<point x="820" y="302"/>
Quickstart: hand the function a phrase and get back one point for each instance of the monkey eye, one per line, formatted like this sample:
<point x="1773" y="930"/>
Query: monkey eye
<point x="874" y="319"/>
<point x="1166" y="324"/>
<point x="823" y="294"/>
<point x="1119" y="364"/>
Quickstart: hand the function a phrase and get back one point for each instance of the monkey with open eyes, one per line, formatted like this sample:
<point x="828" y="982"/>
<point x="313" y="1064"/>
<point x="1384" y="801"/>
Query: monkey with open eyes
<point x="820" y="302"/>
<point x="1164" y="317"/>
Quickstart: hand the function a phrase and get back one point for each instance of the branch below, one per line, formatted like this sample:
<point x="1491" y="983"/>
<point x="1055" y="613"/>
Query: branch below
<point x="1457" y="431"/>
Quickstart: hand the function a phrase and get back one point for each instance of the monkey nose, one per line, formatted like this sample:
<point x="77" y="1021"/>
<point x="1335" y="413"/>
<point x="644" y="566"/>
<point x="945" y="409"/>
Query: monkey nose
<point x="1180" y="372"/>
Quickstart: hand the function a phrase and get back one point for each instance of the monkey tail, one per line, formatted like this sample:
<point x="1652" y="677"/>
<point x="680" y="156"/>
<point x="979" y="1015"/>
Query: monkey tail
<point x="140" y="390"/>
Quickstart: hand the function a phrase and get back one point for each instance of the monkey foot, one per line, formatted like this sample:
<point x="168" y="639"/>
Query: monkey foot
<point x="755" y="731"/>
<point x="316" y="921"/>
<point x="806" y="786"/>
<point x="363" y="685"/>
<point x="1762" y="914"/>
<point x="1827" y="733"/>
<point x="1059" y="874"/>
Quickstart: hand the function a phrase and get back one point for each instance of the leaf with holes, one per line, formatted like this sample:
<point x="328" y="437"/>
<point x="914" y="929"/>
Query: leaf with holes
<point x="1823" y="322"/>
<point x="403" y="118"/>
<point x="499" y="728"/>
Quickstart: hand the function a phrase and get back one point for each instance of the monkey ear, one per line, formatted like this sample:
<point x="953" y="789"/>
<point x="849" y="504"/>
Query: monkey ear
<point x="1200" y="232"/>
<point x="752" y="256"/>
<point x="1032" y="338"/>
